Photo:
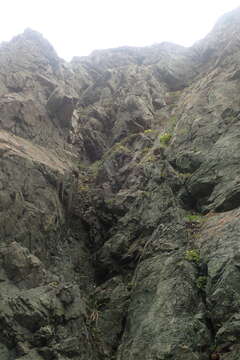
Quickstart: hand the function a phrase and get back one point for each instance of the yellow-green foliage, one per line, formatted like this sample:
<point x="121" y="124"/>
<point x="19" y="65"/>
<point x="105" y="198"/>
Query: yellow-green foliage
<point x="201" y="282"/>
<point x="121" y="148"/>
<point x="83" y="187"/>
<point x="194" y="218"/>
<point x="193" y="256"/>
<point x="165" y="138"/>
<point x="149" y="131"/>
<point x="54" y="284"/>
<point x="110" y="202"/>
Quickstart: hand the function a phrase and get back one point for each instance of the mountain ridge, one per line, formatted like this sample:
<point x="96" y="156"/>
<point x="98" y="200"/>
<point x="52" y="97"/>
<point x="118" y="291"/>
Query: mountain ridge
<point x="119" y="201"/>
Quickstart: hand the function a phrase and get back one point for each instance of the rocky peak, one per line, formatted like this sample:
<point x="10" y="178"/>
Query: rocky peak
<point x="35" y="40"/>
<point x="29" y="51"/>
<point x="221" y="40"/>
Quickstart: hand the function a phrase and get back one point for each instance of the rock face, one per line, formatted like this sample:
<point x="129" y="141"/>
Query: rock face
<point x="120" y="201"/>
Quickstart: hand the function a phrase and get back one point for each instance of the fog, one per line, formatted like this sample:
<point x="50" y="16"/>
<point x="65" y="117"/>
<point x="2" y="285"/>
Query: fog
<point x="77" y="27"/>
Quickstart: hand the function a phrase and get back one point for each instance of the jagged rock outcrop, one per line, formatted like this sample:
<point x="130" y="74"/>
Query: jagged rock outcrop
<point x="119" y="201"/>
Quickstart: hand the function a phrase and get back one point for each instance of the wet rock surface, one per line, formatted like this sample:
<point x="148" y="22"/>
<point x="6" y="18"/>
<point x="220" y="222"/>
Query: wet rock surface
<point x="119" y="201"/>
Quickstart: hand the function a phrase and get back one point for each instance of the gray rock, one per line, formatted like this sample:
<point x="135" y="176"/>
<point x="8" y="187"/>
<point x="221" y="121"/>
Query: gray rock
<point x="119" y="185"/>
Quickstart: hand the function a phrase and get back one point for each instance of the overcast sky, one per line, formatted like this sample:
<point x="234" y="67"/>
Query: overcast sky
<point x="77" y="27"/>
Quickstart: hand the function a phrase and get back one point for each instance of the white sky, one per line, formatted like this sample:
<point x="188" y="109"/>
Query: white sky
<point x="77" y="27"/>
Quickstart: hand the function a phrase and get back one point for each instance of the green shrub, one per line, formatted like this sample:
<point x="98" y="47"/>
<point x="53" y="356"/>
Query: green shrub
<point x="201" y="282"/>
<point x="165" y="138"/>
<point x="194" y="218"/>
<point x="193" y="256"/>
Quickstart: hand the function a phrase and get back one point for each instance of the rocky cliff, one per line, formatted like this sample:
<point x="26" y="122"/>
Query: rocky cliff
<point x="120" y="200"/>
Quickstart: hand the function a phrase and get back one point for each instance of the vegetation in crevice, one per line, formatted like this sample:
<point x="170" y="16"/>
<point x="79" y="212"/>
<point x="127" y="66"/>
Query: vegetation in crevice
<point x="150" y="131"/>
<point x="165" y="139"/>
<point x="193" y="256"/>
<point x="201" y="282"/>
<point x="194" y="219"/>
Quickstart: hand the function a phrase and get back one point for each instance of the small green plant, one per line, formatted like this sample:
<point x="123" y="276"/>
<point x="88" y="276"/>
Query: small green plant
<point x="110" y="202"/>
<point x="54" y="284"/>
<point x="194" y="218"/>
<point x="193" y="256"/>
<point x="165" y="139"/>
<point x="201" y="282"/>
<point x="148" y="131"/>
<point x="83" y="188"/>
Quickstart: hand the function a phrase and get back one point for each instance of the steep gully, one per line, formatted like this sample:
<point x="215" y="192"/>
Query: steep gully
<point x="119" y="200"/>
